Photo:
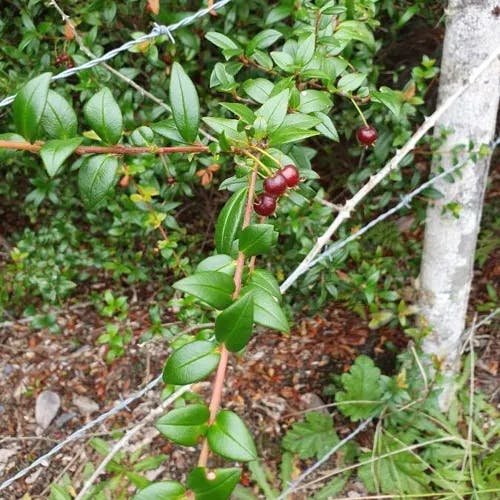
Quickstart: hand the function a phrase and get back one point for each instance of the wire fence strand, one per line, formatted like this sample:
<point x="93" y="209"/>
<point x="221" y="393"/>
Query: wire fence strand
<point x="157" y="31"/>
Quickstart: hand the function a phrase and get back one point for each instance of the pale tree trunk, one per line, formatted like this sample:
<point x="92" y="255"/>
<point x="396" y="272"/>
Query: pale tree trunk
<point x="472" y="33"/>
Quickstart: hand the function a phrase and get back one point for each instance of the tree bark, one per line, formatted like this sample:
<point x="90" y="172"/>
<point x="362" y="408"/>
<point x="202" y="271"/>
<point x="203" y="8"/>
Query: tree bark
<point x="472" y="33"/>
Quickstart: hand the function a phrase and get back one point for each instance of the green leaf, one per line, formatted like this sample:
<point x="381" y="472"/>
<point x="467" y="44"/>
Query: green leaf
<point x="29" y="104"/>
<point x="285" y="134"/>
<point x="103" y="114"/>
<point x="96" y="178"/>
<point x="166" y="128"/>
<point x="217" y="486"/>
<point x="213" y="287"/>
<point x="221" y="41"/>
<point x="326" y="127"/>
<point x="58" y="492"/>
<point x="257" y="239"/>
<point x="233" y="326"/>
<point x="185" y="425"/>
<point x="162" y="490"/>
<point x="226" y="126"/>
<point x="267" y="310"/>
<point x="314" y="100"/>
<point x="191" y="363"/>
<point x="244" y="112"/>
<point x="221" y="262"/>
<point x="229" y="437"/>
<point x="351" y="81"/>
<point x="305" y="50"/>
<point x="54" y="153"/>
<point x="364" y="386"/>
<point x="332" y="488"/>
<point x="229" y="221"/>
<point x="274" y="110"/>
<point x="348" y="31"/>
<point x="265" y="281"/>
<point x="300" y="120"/>
<point x="399" y="473"/>
<point x="59" y="118"/>
<point x="185" y="103"/>
<point x="283" y="60"/>
<point x="380" y="318"/>
<point x="389" y="98"/>
<point x="314" y="436"/>
<point x="258" y="89"/>
<point x="262" y="40"/>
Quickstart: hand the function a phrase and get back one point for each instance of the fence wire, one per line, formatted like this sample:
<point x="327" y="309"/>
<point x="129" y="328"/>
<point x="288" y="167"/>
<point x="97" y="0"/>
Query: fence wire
<point x="157" y="31"/>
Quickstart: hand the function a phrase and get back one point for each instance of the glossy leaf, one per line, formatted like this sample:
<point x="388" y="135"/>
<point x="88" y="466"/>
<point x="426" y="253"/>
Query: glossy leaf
<point x="103" y="114"/>
<point x="185" y="103"/>
<point x="314" y="100"/>
<point x="285" y="134"/>
<point x="29" y="104"/>
<point x="265" y="281"/>
<point x="55" y="153"/>
<point x="326" y="127"/>
<point x="233" y="326"/>
<point x="185" y="425"/>
<point x="229" y="222"/>
<point x="267" y="310"/>
<point x="162" y="490"/>
<point x="59" y="118"/>
<point x="257" y="239"/>
<point x="274" y="110"/>
<point x="191" y="363"/>
<point x="351" y="82"/>
<point x="244" y="112"/>
<point x="219" y="484"/>
<point x="305" y="50"/>
<point x="213" y="287"/>
<point x="221" y="262"/>
<point x="258" y="89"/>
<point x="96" y="178"/>
<point x="262" y="40"/>
<point x="229" y="437"/>
<point x="389" y="98"/>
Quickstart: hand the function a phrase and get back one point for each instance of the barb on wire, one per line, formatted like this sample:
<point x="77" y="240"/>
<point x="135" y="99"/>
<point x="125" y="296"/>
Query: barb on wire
<point x="157" y="31"/>
<point x="80" y="432"/>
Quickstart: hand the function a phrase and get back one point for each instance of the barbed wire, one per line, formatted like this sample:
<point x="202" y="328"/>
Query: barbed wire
<point x="157" y="31"/>
<point x="120" y="406"/>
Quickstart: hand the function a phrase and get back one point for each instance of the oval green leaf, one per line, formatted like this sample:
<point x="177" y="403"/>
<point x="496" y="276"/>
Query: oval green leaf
<point x="267" y="310"/>
<point x="55" y="153"/>
<point x="274" y="110"/>
<point x="185" y="425"/>
<point x="185" y="103"/>
<point x="96" y="178"/>
<point x="59" y="118"/>
<point x="29" y="104"/>
<point x="163" y="490"/>
<point x="190" y="363"/>
<point x="257" y="239"/>
<point x="229" y="437"/>
<point x="103" y="114"/>
<point x="213" y="287"/>
<point x="221" y="262"/>
<point x="265" y="281"/>
<point x="229" y="222"/>
<point x="233" y="326"/>
<point x="217" y="486"/>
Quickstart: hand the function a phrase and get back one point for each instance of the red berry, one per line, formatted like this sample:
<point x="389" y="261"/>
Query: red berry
<point x="265" y="204"/>
<point x="366" y="135"/>
<point x="275" y="185"/>
<point x="291" y="175"/>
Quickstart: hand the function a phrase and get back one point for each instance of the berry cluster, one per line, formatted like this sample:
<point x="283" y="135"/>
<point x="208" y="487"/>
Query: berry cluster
<point x="64" y="58"/>
<point x="274" y="187"/>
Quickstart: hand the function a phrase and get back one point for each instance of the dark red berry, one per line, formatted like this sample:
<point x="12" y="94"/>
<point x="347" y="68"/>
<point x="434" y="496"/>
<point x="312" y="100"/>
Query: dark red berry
<point x="291" y="175"/>
<point x="275" y="185"/>
<point x="265" y="204"/>
<point x="366" y="135"/>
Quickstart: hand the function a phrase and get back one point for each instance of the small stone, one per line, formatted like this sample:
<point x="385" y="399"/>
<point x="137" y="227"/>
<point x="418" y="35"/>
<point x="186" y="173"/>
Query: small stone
<point x="64" y="418"/>
<point x="46" y="408"/>
<point x="313" y="402"/>
<point x="85" y="405"/>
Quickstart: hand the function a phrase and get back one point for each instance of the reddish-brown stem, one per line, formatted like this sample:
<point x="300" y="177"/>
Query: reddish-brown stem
<point x="224" y="353"/>
<point x="117" y="149"/>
